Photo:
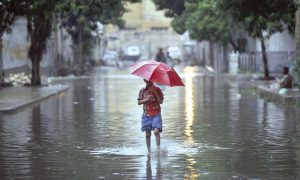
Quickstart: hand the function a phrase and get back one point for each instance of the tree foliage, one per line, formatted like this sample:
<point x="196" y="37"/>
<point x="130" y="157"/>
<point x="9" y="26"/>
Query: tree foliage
<point x="218" y="20"/>
<point x="9" y="10"/>
<point x="172" y="8"/>
<point x="259" y="17"/>
<point x="79" y="18"/>
<point x="271" y="16"/>
<point x="40" y="13"/>
<point x="203" y="20"/>
<point x="208" y="22"/>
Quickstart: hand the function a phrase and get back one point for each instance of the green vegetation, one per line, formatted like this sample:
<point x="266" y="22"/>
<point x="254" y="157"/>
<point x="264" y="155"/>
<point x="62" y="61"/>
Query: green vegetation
<point x="83" y="15"/>
<point x="78" y="16"/>
<point x="217" y="21"/>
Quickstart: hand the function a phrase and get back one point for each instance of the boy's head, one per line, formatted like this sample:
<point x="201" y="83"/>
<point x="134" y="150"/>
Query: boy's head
<point x="148" y="83"/>
<point x="285" y="70"/>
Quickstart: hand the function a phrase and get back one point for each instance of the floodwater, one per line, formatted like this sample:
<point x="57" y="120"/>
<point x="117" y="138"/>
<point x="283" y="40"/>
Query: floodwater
<point x="212" y="129"/>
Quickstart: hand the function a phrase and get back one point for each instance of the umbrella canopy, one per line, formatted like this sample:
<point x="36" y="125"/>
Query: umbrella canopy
<point x="157" y="72"/>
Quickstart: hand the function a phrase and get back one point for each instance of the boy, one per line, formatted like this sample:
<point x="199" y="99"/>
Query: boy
<point x="151" y="97"/>
<point x="287" y="80"/>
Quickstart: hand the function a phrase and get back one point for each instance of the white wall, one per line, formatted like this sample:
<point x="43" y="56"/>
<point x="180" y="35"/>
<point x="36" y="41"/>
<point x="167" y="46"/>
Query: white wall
<point x="15" y="45"/>
<point x="278" y="42"/>
<point x="282" y="42"/>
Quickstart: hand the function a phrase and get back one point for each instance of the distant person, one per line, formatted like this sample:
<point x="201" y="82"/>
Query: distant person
<point x="170" y="61"/>
<point x="287" y="80"/>
<point x="160" y="56"/>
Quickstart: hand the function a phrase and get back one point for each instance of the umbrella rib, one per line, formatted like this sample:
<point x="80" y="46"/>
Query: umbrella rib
<point x="156" y="69"/>
<point x="153" y="72"/>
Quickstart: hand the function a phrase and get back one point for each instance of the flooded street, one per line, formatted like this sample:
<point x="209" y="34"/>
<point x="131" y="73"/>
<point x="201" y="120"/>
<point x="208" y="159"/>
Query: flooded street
<point x="212" y="129"/>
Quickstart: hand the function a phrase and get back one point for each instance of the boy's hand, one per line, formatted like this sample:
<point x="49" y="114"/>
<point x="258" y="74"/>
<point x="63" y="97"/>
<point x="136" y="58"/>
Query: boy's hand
<point x="149" y="97"/>
<point x="152" y="89"/>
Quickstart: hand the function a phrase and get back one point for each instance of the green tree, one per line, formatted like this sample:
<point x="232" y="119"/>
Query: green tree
<point x="172" y="8"/>
<point x="262" y="17"/>
<point x="9" y="10"/>
<point x="217" y="20"/>
<point x="39" y="15"/>
<point x="79" y="18"/>
<point x="203" y="20"/>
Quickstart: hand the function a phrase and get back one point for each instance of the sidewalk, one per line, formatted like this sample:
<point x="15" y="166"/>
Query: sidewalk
<point x="13" y="99"/>
<point x="292" y="96"/>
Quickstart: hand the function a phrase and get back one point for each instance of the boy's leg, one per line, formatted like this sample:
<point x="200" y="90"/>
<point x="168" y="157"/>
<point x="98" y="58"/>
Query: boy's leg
<point x="157" y="138"/>
<point x="157" y="125"/>
<point x="148" y="140"/>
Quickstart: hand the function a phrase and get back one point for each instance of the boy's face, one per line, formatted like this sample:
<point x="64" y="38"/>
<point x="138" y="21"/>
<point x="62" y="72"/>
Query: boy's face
<point x="148" y="83"/>
<point x="285" y="71"/>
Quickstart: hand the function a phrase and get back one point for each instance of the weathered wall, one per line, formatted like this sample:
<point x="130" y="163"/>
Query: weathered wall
<point x="282" y="42"/>
<point x="17" y="43"/>
<point x="15" y="47"/>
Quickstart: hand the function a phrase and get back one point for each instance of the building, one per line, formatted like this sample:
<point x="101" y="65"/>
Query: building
<point x="145" y="31"/>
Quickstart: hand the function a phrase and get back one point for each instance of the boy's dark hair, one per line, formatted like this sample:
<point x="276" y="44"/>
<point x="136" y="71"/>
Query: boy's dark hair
<point x="285" y="70"/>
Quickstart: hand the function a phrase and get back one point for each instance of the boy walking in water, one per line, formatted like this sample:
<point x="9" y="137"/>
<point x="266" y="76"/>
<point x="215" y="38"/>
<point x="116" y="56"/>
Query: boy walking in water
<point x="151" y="97"/>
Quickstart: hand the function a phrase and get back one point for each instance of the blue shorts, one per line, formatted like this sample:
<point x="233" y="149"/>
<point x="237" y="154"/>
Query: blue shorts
<point x="151" y="122"/>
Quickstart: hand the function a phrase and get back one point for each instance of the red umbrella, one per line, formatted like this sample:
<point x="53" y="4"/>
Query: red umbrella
<point x="157" y="72"/>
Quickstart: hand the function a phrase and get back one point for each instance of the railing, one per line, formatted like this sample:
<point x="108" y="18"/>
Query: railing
<point x="253" y="62"/>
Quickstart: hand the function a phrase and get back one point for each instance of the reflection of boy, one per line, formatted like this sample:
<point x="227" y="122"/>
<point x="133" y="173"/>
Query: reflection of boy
<point x="287" y="80"/>
<point x="151" y="97"/>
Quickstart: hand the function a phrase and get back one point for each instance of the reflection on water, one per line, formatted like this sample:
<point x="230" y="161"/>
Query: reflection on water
<point x="189" y="111"/>
<point x="212" y="130"/>
<point x="153" y="166"/>
<point x="189" y="105"/>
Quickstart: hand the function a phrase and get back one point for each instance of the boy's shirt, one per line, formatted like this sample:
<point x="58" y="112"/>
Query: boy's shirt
<point x="151" y="108"/>
<point x="286" y="81"/>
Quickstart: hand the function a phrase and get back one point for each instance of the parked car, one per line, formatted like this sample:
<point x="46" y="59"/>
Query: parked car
<point x="175" y="53"/>
<point x="110" y="58"/>
<point x="133" y="51"/>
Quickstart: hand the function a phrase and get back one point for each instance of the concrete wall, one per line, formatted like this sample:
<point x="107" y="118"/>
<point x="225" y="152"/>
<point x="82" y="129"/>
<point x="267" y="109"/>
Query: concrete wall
<point x="282" y="42"/>
<point x="16" y="45"/>
<point x="280" y="50"/>
<point x="278" y="42"/>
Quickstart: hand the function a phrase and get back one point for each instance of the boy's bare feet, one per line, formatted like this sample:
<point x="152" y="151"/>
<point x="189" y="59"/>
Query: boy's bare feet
<point x="158" y="148"/>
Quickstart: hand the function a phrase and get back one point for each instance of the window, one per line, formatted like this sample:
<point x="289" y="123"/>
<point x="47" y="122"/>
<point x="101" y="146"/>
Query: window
<point x="159" y="28"/>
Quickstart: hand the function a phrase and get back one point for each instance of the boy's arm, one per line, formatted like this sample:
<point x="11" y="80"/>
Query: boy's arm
<point x="158" y="94"/>
<point x="282" y="81"/>
<point x="140" y="98"/>
<point x="143" y="101"/>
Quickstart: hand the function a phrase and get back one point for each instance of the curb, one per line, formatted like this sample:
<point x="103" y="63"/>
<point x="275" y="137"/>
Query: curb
<point x="291" y="97"/>
<point x="17" y="106"/>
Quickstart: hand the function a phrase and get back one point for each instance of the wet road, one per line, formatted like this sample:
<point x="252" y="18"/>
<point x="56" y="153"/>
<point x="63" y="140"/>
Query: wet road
<point x="213" y="129"/>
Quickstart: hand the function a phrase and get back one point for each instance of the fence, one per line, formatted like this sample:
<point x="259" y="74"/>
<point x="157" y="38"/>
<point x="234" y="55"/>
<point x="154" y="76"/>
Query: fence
<point x="253" y="62"/>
